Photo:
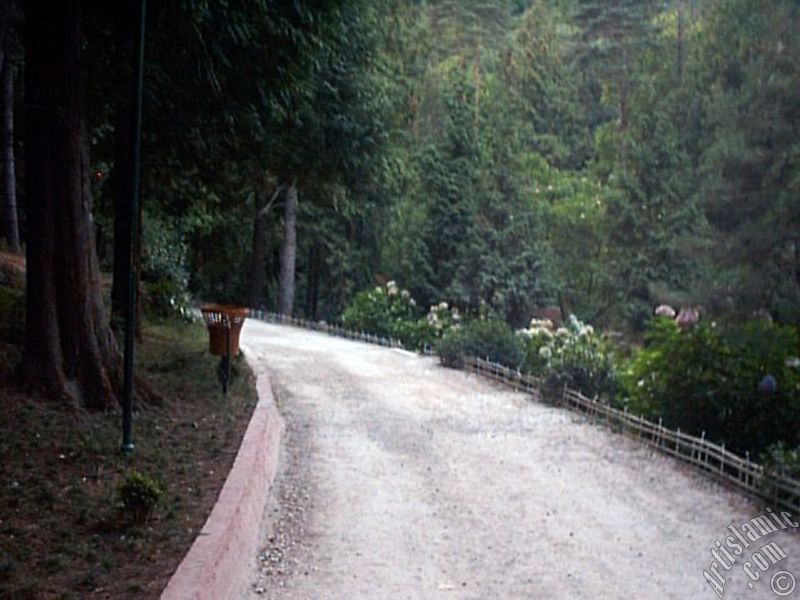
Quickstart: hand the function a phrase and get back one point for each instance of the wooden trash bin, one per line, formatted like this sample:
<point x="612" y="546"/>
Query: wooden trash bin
<point x="224" y="325"/>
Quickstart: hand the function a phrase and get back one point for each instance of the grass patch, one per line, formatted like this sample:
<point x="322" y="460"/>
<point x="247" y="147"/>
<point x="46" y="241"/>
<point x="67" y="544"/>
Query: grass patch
<point x="64" y="532"/>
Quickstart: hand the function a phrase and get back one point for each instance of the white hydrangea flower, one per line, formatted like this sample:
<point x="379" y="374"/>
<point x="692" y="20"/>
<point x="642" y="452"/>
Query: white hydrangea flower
<point x="545" y="352"/>
<point x="541" y="324"/>
<point x="443" y="305"/>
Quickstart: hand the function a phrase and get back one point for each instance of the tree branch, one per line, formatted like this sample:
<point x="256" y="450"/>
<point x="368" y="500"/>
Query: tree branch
<point x="269" y="204"/>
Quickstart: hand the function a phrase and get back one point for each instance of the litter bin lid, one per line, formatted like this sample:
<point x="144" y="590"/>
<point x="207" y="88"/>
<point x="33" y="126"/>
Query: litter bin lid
<point x="216" y="313"/>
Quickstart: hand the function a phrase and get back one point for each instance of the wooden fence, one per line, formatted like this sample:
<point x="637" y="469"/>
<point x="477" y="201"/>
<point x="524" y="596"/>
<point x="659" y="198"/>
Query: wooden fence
<point x="770" y="485"/>
<point x="751" y="477"/>
<point x="329" y="328"/>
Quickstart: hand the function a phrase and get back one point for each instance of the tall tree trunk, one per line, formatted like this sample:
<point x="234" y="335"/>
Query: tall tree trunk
<point x="288" y="253"/>
<point x="9" y="215"/>
<point x="255" y="293"/>
<point x="69" y="348"/>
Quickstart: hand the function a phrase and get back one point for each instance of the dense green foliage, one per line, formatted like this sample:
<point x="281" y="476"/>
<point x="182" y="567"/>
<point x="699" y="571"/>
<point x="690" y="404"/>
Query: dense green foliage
<point x="709" y="378"/>
<point x="499" y="155"/>
<point x="490" y="339"/>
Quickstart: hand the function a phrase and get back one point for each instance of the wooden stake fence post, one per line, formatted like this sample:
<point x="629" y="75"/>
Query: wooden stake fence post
<point x="703" y="456"/>
<point x="747" y="464"/>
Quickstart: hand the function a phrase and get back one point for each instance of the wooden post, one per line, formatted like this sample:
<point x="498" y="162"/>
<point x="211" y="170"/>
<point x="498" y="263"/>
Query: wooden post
<point x="747" y="472"/>
<point x="702" y="455"/>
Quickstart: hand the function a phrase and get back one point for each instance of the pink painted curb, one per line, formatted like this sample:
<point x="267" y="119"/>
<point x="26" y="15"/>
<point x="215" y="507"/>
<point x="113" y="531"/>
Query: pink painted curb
<point x="223" y="553"/>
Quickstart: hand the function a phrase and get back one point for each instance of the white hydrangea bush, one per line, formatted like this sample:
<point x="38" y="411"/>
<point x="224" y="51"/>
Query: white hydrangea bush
<point x="572" y="354"/>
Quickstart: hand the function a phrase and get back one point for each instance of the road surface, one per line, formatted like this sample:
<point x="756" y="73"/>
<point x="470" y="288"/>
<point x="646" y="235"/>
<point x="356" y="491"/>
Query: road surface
<point x="402" y="479"/>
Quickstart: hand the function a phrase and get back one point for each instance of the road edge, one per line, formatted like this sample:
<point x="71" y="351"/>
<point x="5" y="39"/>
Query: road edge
<point x="221" y="555"/>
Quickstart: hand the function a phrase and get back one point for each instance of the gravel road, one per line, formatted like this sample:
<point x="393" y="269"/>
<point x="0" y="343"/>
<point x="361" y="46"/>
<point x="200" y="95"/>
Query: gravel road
<point x="402" y="479"/>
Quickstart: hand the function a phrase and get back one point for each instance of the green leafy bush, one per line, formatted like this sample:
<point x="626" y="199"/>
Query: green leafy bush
<point x="483" y="338"/>
<point x="707" y="379"/>
<point x="574" y="356"/>
<point x="164" y="269"/>
<point x="781" y="459"/>
<point x="167" y="298"/>
<point x="384" y="310"/>
<point x="139" y="495"/>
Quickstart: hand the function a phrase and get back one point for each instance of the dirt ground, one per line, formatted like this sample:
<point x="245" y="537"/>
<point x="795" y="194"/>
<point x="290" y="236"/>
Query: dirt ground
<point x="64" y="533"/>
<point x="403" y="479"/>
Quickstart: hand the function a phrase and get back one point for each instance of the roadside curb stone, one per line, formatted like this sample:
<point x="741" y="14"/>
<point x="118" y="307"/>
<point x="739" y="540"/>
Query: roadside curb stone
<point x="221" y="555"/>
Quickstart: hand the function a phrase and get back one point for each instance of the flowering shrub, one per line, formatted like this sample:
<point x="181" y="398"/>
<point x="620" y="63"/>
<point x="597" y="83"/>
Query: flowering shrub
<point x="385" y="310"/>
<point x="440" y="319"/>
<point x="391" y="311"/>
<point x="740" y="384"/>
<point x="573" y="356"/>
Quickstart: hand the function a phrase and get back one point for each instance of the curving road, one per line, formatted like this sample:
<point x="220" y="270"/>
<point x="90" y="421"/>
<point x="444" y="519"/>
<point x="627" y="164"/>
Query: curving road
<point x="402" y="479"/>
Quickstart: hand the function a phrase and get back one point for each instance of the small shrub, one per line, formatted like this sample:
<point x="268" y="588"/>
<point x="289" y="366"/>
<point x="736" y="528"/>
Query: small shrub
<point x="168" y="298"/>
<point x="139" y="495"/>
<point x="483" y="338"/>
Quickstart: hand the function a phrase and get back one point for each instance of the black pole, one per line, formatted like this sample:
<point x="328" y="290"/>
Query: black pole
<point x="130" y="309"/>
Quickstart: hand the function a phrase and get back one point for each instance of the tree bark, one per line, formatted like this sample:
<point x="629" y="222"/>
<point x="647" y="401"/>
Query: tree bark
<point x="69" y="348"/>
<point x="288" y="253"/>
<point x="255" y="293"/>
<point x="10" y="221"/>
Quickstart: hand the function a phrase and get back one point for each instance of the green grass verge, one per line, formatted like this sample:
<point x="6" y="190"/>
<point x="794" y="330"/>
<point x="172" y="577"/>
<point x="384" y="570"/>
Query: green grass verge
<point x="64" y="530"/>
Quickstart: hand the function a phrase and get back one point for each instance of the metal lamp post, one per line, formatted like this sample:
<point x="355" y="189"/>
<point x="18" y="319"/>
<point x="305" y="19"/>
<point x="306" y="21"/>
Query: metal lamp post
<point x="130" y="312"/>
